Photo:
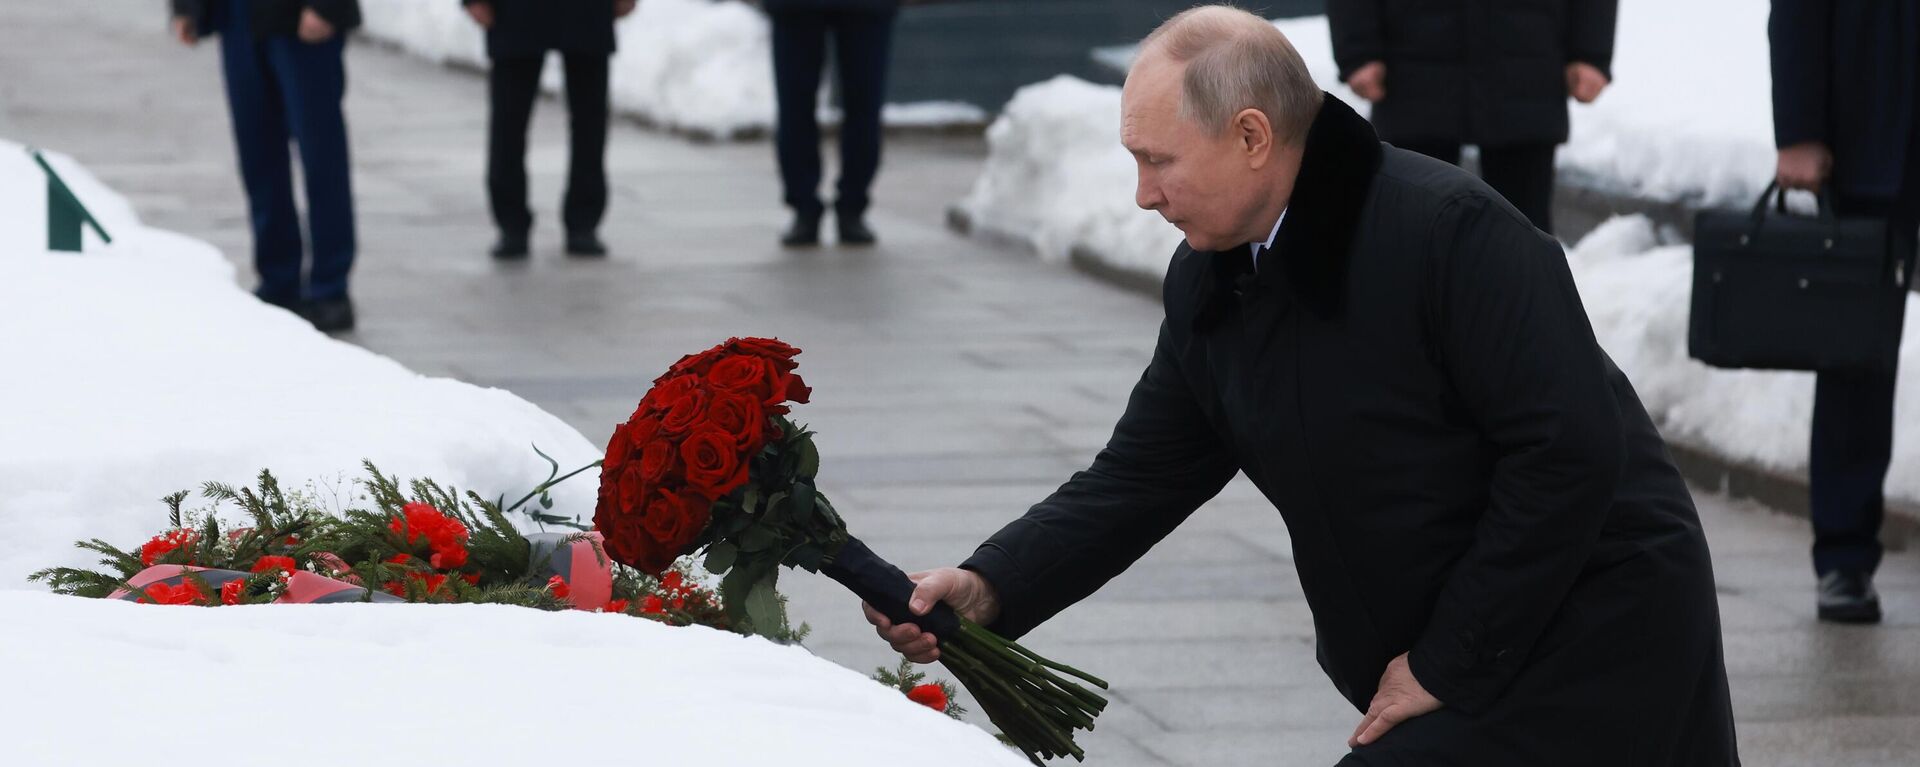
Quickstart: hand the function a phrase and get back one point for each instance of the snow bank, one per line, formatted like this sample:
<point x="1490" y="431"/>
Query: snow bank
<point x="1637" y="294"/>
<point x="701" y="66"/>
<point x="117" y="683"/>
<point x="1688" y="119"/>
<point x="139" y="368"/>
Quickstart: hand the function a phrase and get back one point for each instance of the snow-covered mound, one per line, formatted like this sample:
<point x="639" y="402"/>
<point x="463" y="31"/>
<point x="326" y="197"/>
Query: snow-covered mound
<point x="140" y="368"/>
<point x="108" y="682"/>
<point x="702" y="66"/>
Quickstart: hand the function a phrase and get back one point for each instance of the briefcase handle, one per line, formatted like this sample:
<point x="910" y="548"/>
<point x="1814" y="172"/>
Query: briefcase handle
<point x="1779" y="195"/>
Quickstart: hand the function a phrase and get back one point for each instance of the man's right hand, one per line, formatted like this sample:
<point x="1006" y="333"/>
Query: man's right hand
<point x="1804" y="166"/>
<point x="183" y="29"/>
<point x="482" y="14"/>
<point x="1369" y="81"/>
<point x="963" y="590"/>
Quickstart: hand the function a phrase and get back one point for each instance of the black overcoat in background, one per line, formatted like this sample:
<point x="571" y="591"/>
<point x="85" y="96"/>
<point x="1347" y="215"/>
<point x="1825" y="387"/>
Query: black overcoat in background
<point x="1411" y="379"/>
<point x="1487" y="72"/>
<point x="1848" y="75"/>
<point x="271" y="17"/>
<point x="526" y="28"/>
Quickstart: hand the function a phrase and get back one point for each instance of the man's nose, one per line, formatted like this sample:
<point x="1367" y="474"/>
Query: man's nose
<point x="1148" y="195"/>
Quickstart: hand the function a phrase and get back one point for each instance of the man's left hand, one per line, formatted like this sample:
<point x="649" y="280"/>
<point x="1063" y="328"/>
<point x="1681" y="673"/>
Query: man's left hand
<point x="1399" y="698"/>
<point x="314" y="28"/>
<point x="1585" y="81"/>
<point x="623" y="7"/>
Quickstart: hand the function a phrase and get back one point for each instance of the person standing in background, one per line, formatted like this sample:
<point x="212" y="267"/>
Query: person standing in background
<point x="519" y="35"/>
<point x="1846" y="77"/>
<point x="862" y="37"/>
<point x="285" y="78"/>
<point x="1492" y="74"/>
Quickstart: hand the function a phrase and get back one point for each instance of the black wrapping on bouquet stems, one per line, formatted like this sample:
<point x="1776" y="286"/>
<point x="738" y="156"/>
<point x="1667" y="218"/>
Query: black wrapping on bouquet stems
<point x="887" y="589"/>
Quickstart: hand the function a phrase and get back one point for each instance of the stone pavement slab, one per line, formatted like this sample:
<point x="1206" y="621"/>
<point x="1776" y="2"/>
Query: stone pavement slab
<point x="955" y="383"/>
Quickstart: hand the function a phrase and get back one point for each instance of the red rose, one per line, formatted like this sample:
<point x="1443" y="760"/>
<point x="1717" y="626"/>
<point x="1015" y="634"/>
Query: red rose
<point x="187" y="593"/>
<point x="683" y="411"/>
<point x="632" y="490"/>
<point x="165" y="543"/>
<point x="283" y="564"/>
<point x="744" y="373"/>
<point x="739" y="415"/>
<point x="672" y="521"/>
<point x="788" y="389"/>
<point x="665" y="392"/>
<point x="656" y="460"/>
<point x="618" y="446"/>
<point x="770" y="349"/>
<point x="695" y="364"/>
<point x="929" y="695"/>
<point x="712" y="461"/>
<point x="233" y="592"/>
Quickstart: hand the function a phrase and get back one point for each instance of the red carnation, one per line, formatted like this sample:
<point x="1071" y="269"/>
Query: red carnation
<point x="165" y="543"/>
<point x="558" y="586"/>
<point x="652" y="605"/>
<point x="233" y="592"/>
<point x="187" y="593"/>
<point x="929" y="695"/>
<point x="617" y="606"/>
<point x="283" y="564"/>
<point x="444" y="535"/>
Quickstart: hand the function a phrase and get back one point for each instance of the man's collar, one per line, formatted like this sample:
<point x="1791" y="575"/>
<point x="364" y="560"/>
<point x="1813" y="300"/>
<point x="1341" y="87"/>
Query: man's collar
<point x="1316" y="233"/>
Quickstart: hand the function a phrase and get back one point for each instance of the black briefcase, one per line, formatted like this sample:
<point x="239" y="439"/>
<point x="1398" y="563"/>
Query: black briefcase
<point x="1777" y="291"/>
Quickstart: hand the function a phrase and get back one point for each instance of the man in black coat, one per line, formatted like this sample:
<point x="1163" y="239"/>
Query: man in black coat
<point x="1846" y="81"/>
<point x="862" y="33"/>
<point x="285" y="79"/>
<point x="519" y="35"/>
<point x="1492" y="73"/>
<point x="1504" y="566"/>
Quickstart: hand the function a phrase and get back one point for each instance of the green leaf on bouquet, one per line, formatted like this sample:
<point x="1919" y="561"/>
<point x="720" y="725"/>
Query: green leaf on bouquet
<point x="764" y="610"/>
<point x="750" y="497"/>
<point x="720" y="557"/>
<point x="807" y="557"/>
<point x="809" y="460"/>
<point x="803" y="502"/>
<point x="758" y="538"/>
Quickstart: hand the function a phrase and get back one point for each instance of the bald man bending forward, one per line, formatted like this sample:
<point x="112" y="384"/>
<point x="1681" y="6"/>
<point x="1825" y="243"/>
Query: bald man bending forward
<point x="1503" y="565"/>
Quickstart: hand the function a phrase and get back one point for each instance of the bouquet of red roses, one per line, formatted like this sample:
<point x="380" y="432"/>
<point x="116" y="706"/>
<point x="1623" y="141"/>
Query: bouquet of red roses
<point x="710" y="462"/>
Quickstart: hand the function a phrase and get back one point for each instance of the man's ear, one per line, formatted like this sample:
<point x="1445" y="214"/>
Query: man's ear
<point x="1255" y="136"/>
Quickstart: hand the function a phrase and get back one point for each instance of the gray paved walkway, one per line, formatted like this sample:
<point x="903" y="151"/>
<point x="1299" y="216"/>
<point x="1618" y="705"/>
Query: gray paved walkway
<point x="955" y="384"/>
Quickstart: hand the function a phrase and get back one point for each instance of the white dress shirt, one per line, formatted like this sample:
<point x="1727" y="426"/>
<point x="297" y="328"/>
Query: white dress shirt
<point x="1257" y="247"/>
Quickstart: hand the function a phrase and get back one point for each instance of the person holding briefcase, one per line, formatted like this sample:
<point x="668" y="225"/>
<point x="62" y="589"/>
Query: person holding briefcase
<point x="1846" y="81"/>
<point x="519" y="35"/>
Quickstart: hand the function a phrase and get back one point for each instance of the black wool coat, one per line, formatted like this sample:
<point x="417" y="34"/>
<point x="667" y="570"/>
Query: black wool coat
<point x="870" y="6"/>
<point x="1411" y="379"/>
<point x="1488" y="72"/>
<point x="527" y="28"/>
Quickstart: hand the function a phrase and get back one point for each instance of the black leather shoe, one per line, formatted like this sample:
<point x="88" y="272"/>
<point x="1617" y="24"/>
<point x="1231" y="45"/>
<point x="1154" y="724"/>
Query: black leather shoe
<point x="329" y="315"/>
<point x="804" y="231"/>
<point x="585" y="244"/>
<point x="1848" y="597"/>
<point x="510" y="247"/>
<point x="854" y="231"/>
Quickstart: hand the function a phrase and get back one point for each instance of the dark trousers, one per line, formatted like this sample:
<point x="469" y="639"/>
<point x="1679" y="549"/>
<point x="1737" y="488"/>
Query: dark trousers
<point x="1522" y="173"/>
<point x="861" y="43"/>
<point x="280" y="90"/>
<point x="1853" y="428"/>
<point x="514" y="85"/>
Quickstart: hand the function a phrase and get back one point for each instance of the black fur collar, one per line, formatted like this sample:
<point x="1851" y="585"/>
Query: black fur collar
<point x="1337" y="169"/>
